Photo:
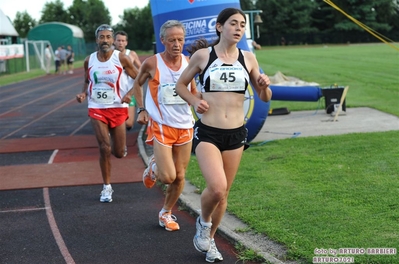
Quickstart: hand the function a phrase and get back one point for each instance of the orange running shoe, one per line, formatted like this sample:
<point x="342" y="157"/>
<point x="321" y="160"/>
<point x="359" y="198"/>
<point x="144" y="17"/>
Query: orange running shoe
<point x="148" y="175"/>
<point x="168" y="221"/>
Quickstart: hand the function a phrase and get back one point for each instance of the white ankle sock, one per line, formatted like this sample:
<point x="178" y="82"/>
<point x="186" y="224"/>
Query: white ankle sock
<point x="164" y="211"/>
<point x="203" y="223"/>
<point x="107" y="186"/>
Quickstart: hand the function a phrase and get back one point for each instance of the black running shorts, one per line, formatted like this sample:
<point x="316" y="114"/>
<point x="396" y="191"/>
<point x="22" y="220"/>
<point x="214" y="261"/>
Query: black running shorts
<point x="223" y="139"/>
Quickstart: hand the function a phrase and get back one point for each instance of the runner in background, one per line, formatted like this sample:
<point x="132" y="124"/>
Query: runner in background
<point x="121" y="41"/>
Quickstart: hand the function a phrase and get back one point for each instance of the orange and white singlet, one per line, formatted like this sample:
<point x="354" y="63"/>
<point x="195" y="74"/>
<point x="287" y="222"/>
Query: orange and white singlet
<point x="105" y="87"/>
<point x="162" y="102"/>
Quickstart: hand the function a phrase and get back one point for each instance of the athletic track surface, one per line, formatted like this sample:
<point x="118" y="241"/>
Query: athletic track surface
<point x="50" y="185"/>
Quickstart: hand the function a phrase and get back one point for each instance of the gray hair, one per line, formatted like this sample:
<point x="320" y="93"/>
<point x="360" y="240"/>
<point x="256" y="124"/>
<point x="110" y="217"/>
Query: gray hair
<point x="170" y="24"/>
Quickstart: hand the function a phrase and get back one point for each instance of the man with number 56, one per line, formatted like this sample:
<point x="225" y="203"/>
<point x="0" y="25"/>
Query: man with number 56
<point x="107" y="103"/>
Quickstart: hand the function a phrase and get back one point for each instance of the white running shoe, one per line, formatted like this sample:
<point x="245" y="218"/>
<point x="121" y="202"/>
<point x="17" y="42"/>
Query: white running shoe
<point x="106" y="195"/>
<point x="148" y="175"/>
<point x="125" y="152"/>
<point x="168" y="221"/>
<point x="213" y="255"/>
<point x="202" y="238"/>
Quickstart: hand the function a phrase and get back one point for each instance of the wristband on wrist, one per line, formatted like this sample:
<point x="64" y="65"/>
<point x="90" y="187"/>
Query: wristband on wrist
<point x="140" y="109"/>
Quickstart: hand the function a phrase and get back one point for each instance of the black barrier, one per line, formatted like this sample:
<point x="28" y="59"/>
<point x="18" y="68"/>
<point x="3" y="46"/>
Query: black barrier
<point x="332" y="97"/>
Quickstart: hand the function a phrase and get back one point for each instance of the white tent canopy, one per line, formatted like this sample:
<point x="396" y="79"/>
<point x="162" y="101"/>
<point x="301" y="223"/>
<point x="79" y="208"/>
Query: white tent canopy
<point x="6" y="28"/>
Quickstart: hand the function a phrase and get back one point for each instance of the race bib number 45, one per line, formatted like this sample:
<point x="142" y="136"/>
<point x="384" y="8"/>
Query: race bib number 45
<point x="227" y="79"/>
<point x="103" y="94"/>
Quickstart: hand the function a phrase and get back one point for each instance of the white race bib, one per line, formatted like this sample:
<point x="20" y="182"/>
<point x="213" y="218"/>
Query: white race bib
<point x="103" y="94"/>
<point x="227" y="79"/>
<point x="169" y="95"/>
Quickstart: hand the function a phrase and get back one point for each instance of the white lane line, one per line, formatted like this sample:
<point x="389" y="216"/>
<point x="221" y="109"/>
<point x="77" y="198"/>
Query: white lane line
<point x="80" y="127"/>
<point x="53" y="224"/>
<point x="54" y="228"/>
<point x="50" y="161"/>
<point x="23" y="210"/>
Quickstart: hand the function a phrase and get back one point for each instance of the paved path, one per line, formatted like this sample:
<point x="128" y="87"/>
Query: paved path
<point x="318" y="123"/>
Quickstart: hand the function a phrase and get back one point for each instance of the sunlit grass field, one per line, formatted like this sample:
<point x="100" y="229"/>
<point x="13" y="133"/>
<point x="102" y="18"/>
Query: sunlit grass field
<point x="371" y="71"/>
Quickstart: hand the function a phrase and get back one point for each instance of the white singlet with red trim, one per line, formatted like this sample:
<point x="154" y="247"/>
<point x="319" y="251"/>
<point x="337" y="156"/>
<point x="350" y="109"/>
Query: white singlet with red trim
<point x="105" y="88"/>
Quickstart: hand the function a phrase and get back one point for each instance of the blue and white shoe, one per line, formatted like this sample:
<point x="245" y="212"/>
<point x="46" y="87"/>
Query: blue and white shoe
<point x="202" y="238"/>
<point x="213" y="254"/>
<point x="106" y="195"/>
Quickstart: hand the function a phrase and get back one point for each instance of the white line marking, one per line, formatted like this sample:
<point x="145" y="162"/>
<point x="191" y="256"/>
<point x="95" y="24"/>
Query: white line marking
<point x="23" y="210"/>
<point x="50" y="161"/>
<point x="80" y="127"/>
<point x="54" y="228"/>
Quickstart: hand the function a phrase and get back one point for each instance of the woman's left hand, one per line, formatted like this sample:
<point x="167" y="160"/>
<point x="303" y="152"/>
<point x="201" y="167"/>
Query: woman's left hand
<point x="263" y="80"/>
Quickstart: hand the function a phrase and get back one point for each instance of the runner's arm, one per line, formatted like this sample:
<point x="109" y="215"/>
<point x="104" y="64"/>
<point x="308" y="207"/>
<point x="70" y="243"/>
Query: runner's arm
<point x="82" y="96"/>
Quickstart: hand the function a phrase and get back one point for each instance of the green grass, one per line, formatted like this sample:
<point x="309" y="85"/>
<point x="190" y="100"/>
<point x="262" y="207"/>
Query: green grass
<point x="328" y="191"/>
<point x="18" y="77"/>
<point x="370" y="71"/>
<point x="23" y="76"/>
<point x="320" y="192"/>
<point x="244" y="254"/>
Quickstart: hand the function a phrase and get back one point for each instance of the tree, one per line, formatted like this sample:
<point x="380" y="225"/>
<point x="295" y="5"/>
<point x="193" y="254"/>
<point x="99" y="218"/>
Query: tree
<point x="53" y="11"/>
<point x="141" y="35"/>
<point x="286" y="16"/>
<point x="247" y="4"/>
<point x="377" y="15"/>
<point x="88" y="15"/>
<point x="394" y="21"/>
<point x="324" y="17"/>
<point x="23" y="22"/>
<point x="372" y="13"/>
<point x="315" y="21"/>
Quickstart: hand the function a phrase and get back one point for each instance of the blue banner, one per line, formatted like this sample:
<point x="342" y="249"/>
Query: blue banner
<point x="198" y="17"/>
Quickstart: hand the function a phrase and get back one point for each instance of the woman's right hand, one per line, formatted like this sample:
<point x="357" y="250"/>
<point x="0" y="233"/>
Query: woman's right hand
<point x="201" y="106"/>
